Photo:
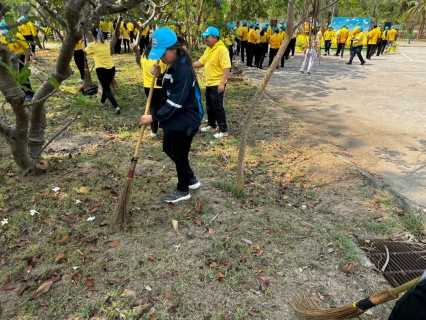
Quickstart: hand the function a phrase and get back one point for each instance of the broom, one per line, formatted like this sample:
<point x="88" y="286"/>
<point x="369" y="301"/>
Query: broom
<point x="121" y="212"/>
<point x="87" y="81"/>
<point x="308" y="308"/>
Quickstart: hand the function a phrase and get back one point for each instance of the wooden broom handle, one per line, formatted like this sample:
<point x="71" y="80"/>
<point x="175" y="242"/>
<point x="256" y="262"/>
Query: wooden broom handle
<point x="147" y="107"/>
<point x="404" y="287"/>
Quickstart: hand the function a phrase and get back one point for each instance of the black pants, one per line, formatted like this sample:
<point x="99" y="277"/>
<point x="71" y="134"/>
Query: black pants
<point x="132" y="36"/>
<point x="356" y="51"/>
<point x="126" y="45"/>
<point x="272" y="54"/>
<point x="243" y="47"/>
<point x="231" y="52"/>
<point x="155" y="105"/>
<point x="176" y="144"/>
<point x="105" y="35"/>
<point x="340" y="47"/>
<point x="32" y="45"/>
<point x="216" y="115"/>
<point x="117" y="47"/>
<point x="79" y="62"/>
<point x="251" y="50"/>
<point x="257" y="53"/>
<point x="327" y="46"/>
<point x="382" y="47"/>
<point x="238" y="45"/>
<point x="263" y="51"/>
<point x="143" y="44"/>
<point x="378" y="46"/>
<point x="292" y="45"/>
<point x="28" y="88"/>
<point x="105" y="77"/>
<point x="370" y="50"/>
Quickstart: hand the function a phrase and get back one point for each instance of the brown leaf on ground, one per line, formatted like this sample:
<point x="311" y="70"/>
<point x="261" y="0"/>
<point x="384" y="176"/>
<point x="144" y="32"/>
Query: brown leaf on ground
<point x="198" y="207"/>
<point x="251" y="287"/>
<point x="3" y="261"/>
<point x="21" y="291"/>
<point x="220" y="275"/>
<point x="9" y="288"/>
<point x="60" y="258"/>
<point x="94" y="249"/>
<point x="89" y="293"/>
<point x="168" y="296"/>
<point x="115" y="244"/>
<point x="271" y="231"/>
<point x="123" y="282"/>
<point x="229" y="266"/>
<point x="197" y="221"/>
<point x="74" y="278"/>
<point x="90" y="282"/>
<point x="42" y="289"/>
<point x="152" y="258"/>
<point x="151" y="299"/>
<point x="65" y="239"/>
<point x="211" y="231"/>
<point x="252" y="313"/>
<point x="315" y="298"/>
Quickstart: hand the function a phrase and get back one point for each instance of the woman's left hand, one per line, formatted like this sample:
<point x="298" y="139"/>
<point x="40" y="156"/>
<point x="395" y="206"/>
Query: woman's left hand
<point x="146" y="119"/>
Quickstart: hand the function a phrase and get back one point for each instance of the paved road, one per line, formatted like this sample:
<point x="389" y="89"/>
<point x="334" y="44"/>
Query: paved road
<point x="376" y="112"/>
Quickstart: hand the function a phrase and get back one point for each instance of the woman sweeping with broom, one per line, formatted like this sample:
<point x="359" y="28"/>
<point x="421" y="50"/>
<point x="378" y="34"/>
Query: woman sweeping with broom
<point x="105" y="69"/>
<point x="181" y="110"/>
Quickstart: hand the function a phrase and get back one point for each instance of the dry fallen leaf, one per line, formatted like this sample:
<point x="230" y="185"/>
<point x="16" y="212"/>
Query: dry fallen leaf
<point x="211" y="231"/>
<point x="152" y="258"/>
<point x="197" y="221"/>
<point x="115" y="244"/>
<point x="42" y="289"/>
<point x="8" y="288"/>
<point x="89" y="293"/>
<point x="90" y="282"/>
<point x="168" y="296"/>
<point x="65" y="239"/>
<point x="220" y="275"/>
<point x="252" y="313"/>
<point x="175" y="226"/>
<point x="94" y="249"/>
<point x="60" y="258"/>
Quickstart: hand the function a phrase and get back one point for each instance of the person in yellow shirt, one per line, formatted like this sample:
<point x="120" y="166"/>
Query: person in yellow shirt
<point x="104" y="27"/>
<point x="372" y="36"/>
<point x="283" y="34"/>
<point x="392" y="33"/>
<point x="125" y="36"/>
<point x="111" y="27"/>
<point x="21" y="48"/>
<point x="147" y="64"/>
<point x="251" y="45"/>
<point x="274" y="44"/>
<point x="29" y="31"/>
<point x="238" y="38"/>
<point x="342" y="36"/>
<point x="292" y="45"/>
<point x="329" y="34"/>
<point x="384" y="42"/>
<point x="144" y="36"/>
<point x="131" y="28"/>
<point x="79" y="59"/>
<point x="357" y="44"/>
<point x="105" y="69"/>
<point x="263" y="41"/>
<point x="217" y="66"/>
<point x="243" y="37"/>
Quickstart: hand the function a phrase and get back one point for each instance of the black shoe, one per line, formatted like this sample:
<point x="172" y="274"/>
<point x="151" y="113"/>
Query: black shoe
<point x="348" y="62"/>
<point x="308" y="73"/>
<point x="177" y="195"/>
<point x="194" y="184"/>
<point x="287" y="57"/>
<point x="335" y="55"/>
<point x="362" y="63"/>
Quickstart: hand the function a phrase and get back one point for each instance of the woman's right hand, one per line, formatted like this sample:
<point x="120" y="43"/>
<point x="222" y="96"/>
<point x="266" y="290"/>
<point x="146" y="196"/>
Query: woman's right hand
<point x="156" y="70"/>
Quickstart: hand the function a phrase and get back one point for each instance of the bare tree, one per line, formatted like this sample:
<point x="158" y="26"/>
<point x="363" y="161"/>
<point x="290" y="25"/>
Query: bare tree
<point x="26" y="137"/>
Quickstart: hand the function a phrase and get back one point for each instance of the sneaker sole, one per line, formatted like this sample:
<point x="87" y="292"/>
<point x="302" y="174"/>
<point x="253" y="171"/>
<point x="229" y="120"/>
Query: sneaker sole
<point x="194" y="186"/>
<point x="180" y="199"/>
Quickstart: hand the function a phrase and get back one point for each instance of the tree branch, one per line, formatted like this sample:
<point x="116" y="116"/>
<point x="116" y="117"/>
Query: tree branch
<point x="5" y="129"/>
<point x="52" y="12"/>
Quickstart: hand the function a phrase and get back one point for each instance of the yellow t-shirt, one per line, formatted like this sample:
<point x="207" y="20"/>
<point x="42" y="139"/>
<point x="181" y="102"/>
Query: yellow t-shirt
<point x="275" y="40"/>
<point x="373" y="35"/>
<point x="252" y="36"/>
<point x="329" y="34"/>
<point x="146" y="71"/>
<point x="215" y="60"/>
<point x="124" y="33"/>
<point x="359" y="40"/>
<point x="101" y="54"/>
<point x="79" y="45"/>
<point x="244" y="33"/>
<point x="130" y="26"/>
<point x="392" y="34"/>
<point x="264" y="38"/>
<point x="19" y="45"/>
<point x="145" y="31"/>
<point x="111" y="26"/>
<point x="283" y="34"/>
<point x="25" y="29"/>
<point x="344" y="33"/>
<point x="104" y="26"/>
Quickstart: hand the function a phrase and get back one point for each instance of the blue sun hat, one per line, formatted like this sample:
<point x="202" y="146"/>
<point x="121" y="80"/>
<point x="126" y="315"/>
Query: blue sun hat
<point x="393" y="27"/>
<point x="211" y="31"/>
<point x="282" y="21"/>
<point x="3" y="24"/>
<point x="386" y="28"/>
<point x="361" y="29"/>
<point x="284" y="27"/>
<point x="379" y="25"/>
<point x="330" y="26"/>
<point x="244" y="23"/>
<point x="276" y="29"/>
<point x="162" y="39"/>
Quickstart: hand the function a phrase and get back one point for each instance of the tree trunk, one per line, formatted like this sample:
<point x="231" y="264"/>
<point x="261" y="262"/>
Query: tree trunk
<point x="258" y="96"/>
<point x="188" y="29"/>
<point x="422" y="25"/>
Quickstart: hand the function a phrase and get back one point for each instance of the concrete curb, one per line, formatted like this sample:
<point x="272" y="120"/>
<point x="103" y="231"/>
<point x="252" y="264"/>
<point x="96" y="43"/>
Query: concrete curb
<point x="405" y="203"/>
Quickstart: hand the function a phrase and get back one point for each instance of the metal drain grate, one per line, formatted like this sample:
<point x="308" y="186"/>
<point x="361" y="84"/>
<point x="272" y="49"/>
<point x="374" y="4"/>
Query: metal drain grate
<point x="407" y="261"/>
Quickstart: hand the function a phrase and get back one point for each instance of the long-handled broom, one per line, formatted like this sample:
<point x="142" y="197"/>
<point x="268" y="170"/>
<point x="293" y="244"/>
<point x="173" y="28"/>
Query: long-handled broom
<point x="305" y="306"/>
<point x="121" y="212"/>
<point x="87" y="81"/>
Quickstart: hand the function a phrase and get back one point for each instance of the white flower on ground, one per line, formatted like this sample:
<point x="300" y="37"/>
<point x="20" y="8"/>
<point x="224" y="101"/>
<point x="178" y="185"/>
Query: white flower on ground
<point x="78" y="201"/>
<point x="34" y="212"/>
<point x="90" y="218"/>
<point x="4" y="221"/>
<point x="56" y="189"/>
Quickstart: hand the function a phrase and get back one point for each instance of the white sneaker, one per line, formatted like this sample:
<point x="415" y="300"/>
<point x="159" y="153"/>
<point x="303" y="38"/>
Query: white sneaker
<point x="153" y="134"/>
<point x="220" y="135"/>
<point x="208" y="129"/>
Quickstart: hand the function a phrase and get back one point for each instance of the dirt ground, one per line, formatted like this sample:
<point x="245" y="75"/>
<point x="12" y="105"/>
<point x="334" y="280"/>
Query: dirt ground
<point x="234" y="257"/>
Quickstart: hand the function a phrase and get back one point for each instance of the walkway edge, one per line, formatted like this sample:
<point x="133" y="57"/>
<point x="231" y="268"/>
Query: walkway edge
<point x="404" y="202"/>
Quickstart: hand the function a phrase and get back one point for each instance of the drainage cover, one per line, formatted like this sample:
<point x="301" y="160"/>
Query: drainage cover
<point x="407" y="261"/>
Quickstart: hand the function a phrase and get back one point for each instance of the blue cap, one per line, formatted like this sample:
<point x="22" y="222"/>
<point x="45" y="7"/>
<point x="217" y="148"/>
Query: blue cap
<point x="22" y="18"/>
<point x="244" y="23"/>
<point x="284" y="27"/>
<point x="282" y="21"/>
<point x="162" y="39"/>
<point x="276" y="29"/>
<point x="211" y="31"/>
<point x="330" y="26"/>
<point x="393" y="27"/>
<point x="251" y="25"/>
<point x="3" y="24"/>
<point x="386" y="28"/>
<point x="264" y="27"/>
<point x="102" y="18"/>
<point x="379" y="25"/>
<point x="361" y="29"/>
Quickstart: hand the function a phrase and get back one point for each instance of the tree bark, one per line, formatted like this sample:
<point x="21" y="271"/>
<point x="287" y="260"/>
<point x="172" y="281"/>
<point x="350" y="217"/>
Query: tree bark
<point x="422" y="25"/>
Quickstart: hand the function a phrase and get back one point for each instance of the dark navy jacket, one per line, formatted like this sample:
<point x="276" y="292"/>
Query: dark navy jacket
<point x="181" y="107"/>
